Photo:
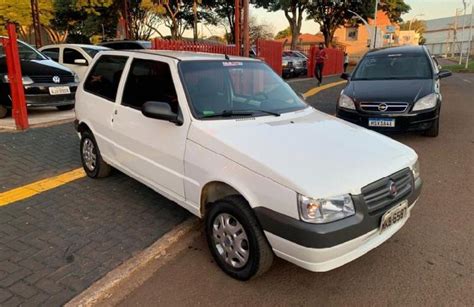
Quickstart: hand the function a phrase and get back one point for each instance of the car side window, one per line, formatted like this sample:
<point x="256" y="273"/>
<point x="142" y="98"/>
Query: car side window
<point x="104" y="78"/>
<point x="70" y="55"/>
<point x="53" y="53"/>
<point x="149" y="80"/>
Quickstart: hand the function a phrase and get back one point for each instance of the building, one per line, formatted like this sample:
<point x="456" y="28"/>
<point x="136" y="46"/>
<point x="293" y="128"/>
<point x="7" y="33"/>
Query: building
<point x="444" y="36"/>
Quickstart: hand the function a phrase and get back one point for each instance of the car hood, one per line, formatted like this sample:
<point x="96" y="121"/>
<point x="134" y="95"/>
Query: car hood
<point x="307" y="151"/>
<point x="389" y="90"/>
<point x="39" y="68"/>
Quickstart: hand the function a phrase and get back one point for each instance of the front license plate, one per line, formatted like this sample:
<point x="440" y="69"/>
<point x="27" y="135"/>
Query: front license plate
<point x="382" y="122"/>
<point x="59" y="90"/>
<point x="394" y="216"/>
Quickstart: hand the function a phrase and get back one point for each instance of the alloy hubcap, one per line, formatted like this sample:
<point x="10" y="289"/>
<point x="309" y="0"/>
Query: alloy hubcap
<point x="89" y="155"/>
<point x="230" y="240"/>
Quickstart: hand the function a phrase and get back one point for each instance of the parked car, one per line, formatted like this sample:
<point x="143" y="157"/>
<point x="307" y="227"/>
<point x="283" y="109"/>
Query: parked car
<point x="299" y="62"/>
<point x="394" y="89"/>
<point x="74" y="56"/>
<point x="127" y="45"/>
<point x="210" y="139"/>
<point x="46" y="83"/>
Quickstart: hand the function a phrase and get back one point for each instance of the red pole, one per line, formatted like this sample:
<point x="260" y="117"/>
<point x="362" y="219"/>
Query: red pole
<point x="15" y="78"/>
<point x="245" y="28"/>
<point x="237" y="26"/>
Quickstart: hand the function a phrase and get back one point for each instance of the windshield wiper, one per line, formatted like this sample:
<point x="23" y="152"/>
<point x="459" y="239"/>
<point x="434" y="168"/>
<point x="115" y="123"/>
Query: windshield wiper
<point x="237" y="113"/>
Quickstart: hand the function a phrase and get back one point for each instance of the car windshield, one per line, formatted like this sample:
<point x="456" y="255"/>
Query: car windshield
<point x="236" y="88"/>
<point x="26" y="52"/>
<point x="93" y="51"/>
<point x="393" y="66"/>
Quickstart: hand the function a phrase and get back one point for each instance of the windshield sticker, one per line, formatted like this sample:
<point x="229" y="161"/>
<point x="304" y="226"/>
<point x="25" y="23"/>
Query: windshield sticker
<point x="395" y="55"/>
<point x="208" y="113"/>
<point x="231" y="64"/>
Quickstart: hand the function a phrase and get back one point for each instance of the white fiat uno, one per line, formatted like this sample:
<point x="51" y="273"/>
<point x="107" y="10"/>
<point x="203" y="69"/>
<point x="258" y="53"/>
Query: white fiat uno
<point x="227" y="139"/>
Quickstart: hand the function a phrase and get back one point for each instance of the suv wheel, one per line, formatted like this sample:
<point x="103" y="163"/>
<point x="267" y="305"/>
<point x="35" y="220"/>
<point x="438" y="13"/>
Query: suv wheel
<point x="3" y="111"/>
<point x="236" y="240"/>
<point x="66" y="107"/>
<point x="92" y="161"/>
<point x="434" y="130"/>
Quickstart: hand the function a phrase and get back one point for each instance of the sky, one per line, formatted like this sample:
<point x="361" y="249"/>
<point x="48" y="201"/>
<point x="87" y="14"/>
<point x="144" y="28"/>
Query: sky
<point x="431" y="9"/>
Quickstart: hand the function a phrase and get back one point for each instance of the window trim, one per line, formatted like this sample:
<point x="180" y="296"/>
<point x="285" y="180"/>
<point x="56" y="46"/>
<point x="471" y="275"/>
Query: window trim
<point x="53" y="48"/>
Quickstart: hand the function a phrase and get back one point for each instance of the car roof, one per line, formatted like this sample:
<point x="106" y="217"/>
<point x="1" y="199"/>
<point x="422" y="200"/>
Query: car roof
<point x="182" y="55"/>
<point x="77" y="45"/>
<point x="400" y="49"/>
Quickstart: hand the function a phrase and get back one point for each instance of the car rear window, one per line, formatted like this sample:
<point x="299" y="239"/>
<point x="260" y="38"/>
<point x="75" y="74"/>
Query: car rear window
<point x="393" y="66"/>
<point x="104" y="78"/>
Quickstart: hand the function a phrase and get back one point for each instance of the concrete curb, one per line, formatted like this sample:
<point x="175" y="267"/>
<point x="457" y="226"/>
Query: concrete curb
<point x="117" y="284"/>
<point x="12" y="128"/>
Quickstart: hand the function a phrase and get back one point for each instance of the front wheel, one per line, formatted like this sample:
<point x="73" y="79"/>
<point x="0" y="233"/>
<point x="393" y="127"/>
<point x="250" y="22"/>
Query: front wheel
<point x="434" y="130"/>
<point x="236" y="240"/>
<point x="92" y="162"/>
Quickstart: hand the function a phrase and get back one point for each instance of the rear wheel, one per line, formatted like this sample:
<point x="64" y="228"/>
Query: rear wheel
<point x="3" y="111"/>
<point x="66" y="107"/>
<point x="92" y="162"/>
<point x="236" y="240"/>
<point x="434" y="130"/>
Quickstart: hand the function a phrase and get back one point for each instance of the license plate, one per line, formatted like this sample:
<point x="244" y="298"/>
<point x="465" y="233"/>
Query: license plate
<point x="382" y="122"/>
<point x="59" y="90"/>
<point x="394" y="216"/>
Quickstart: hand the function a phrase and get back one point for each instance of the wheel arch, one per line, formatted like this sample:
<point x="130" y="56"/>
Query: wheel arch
<point x="215" y="190"/>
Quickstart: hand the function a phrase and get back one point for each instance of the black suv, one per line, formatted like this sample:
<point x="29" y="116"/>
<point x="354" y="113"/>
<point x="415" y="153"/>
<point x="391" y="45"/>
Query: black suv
<point x="394" y="89"/>
<point x="46" y="83"/>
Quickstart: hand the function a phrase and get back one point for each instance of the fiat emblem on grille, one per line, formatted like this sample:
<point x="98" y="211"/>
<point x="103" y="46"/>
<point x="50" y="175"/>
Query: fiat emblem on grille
<point x="56" y="79"/>
<point x="383" y="107"/>
<point x="393" y="189"/>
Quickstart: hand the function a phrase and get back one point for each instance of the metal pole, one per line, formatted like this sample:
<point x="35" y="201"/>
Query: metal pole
<point x="369" y="28"/>
<point x="245" y="27"/>
<point x="36" y="22"/>
<point x="470" y="39"/>
<point x="462" y="33"/>
<point x="375" y="22"/>
<point x="237" y="26"/>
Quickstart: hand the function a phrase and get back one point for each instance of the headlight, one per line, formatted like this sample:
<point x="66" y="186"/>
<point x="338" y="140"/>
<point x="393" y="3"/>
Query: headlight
<point x="416" y="170"/>
<point x="427" y="102"/>
<point x="26" y="80"/>
<point x="76" y="78"/>
<point x="319" y="211"/>
<point x="346" y="102"/>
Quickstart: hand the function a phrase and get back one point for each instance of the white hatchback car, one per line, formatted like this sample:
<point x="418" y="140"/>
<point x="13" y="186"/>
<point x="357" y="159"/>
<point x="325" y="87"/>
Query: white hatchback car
<point x="76" y="57"/>
<point x="230" y="141"/>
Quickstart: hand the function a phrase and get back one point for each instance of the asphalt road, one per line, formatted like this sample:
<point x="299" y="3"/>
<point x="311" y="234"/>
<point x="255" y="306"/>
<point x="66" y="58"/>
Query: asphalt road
<point x="429" y="262"/>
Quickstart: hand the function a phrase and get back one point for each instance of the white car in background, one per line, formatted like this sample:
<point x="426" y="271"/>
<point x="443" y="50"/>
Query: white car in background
<point x="76" y="57"/>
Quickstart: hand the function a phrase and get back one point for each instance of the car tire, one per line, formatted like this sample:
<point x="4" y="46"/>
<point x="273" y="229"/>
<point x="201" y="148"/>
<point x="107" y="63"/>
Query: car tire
<point x="3" y="111"/>
<point x="66" y="107"/>
<point x="434" y="130"/>
<point x="233" y="230"/>
<point x="92" y="162"/>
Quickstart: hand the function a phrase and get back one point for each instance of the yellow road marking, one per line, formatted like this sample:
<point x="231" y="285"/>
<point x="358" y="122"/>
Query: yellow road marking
<point x="316" y="90"/>
<point x="40" y="186"/>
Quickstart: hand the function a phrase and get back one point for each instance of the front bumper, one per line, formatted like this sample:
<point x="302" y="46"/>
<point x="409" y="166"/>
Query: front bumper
<point x="323" y="247"/>
<point x="403" y="122"/>
<point x="37" y="95"/>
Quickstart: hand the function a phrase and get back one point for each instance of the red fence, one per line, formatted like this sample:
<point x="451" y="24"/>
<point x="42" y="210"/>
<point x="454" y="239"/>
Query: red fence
<point x="179" y="45"/>
<point x="332" y="66"/>
<point x="271" y="52"/>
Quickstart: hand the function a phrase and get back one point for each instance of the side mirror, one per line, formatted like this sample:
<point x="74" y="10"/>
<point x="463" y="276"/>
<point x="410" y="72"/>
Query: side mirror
<point x="346" y="76"/>
<point x="444" y="74"/>
<point x="80" y="62"/>
<point x="162" y="111"/>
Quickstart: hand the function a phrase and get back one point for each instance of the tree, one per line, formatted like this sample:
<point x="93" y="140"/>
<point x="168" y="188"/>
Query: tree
<point x="283" y="33"/>
<point x="19" y="12"/>
<point x="330" y="15"/>
<point x="259" y="30"/>
<point x="293" y="10"/>
<point x="419" y="26"/>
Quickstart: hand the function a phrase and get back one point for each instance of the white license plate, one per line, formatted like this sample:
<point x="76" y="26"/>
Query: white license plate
<point x="394" y="216"/>
<point x="59" y="90"/>
<point x="382" y="122"/>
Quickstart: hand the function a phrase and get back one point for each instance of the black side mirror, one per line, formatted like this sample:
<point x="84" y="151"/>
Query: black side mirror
<point x="162" y="111"/>
<point x="444" y="74"/>
<point x="346" y="76"/>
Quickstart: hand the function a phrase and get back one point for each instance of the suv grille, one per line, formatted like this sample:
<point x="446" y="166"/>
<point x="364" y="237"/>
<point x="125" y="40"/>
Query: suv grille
<point x="49" y="79"/>
<point x="378" y="195"/>
<point x="385" y="107"/>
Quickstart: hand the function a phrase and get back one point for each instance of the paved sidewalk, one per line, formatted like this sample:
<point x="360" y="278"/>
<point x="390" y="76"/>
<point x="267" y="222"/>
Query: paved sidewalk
<point x="56" y="244"/>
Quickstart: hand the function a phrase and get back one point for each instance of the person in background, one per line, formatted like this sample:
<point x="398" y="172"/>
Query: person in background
<point x="346" y="61"/>
<point x="321" y="57"/>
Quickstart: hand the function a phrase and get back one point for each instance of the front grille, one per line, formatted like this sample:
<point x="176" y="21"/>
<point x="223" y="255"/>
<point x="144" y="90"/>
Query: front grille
<point x="378" y="197"/>
<point x="384" y="107"/>
<point x="49" y="79"/>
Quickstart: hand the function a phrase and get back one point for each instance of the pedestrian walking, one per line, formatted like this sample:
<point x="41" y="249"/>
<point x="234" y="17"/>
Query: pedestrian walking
<point x="346" y="61"/>
<point x="321" y="57"/>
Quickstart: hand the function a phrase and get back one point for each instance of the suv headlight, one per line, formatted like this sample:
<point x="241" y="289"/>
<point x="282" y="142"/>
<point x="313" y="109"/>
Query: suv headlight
<point x="76" y="78"/>
<point x="416" y="169"/>
<point x="427" y="102"/>
<point x="319" y="211"/>
<point x="346" y="102"/>
<point x="26" y="80"/>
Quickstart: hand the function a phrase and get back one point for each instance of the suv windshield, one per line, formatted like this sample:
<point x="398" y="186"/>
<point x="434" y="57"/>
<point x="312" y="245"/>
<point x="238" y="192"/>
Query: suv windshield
<point x="393" y="66"/>
<point x="236" y="88"/>
<point x="26" y="52"/>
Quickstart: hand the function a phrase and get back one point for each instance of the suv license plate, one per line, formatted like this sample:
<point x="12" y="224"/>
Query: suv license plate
<point x="394" y="216"/>
<point x="382" y="122"/>
<point x="59" y="90"/>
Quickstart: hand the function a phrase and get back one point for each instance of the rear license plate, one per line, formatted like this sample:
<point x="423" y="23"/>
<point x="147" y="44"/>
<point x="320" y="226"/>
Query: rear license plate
<point x="394" y="216"/>
<point x="382" y="122"/>
<point x="59" y="90"/>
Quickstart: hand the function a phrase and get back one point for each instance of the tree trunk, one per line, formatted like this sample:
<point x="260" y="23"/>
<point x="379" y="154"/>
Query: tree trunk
<point x="195" y="21"/>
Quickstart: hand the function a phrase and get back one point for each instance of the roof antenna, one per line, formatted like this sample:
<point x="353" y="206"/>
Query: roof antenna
<point x="226" y="57"/>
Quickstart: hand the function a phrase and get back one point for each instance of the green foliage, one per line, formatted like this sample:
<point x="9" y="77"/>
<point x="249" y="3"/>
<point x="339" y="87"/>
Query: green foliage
<point x="19" y="12"/>
<point x="283" y="33"/>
